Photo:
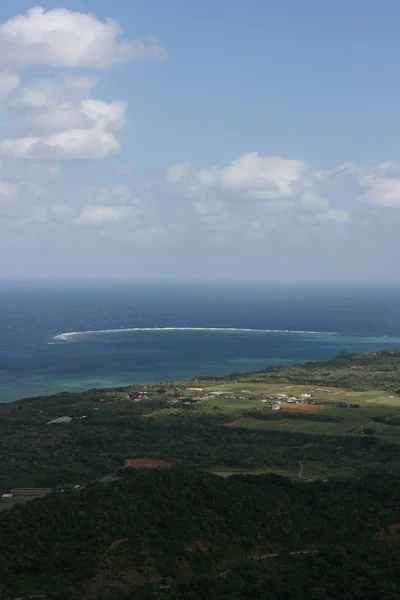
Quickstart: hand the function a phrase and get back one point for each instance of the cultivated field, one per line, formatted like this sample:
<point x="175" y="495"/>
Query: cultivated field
<point x="248" y="397"/>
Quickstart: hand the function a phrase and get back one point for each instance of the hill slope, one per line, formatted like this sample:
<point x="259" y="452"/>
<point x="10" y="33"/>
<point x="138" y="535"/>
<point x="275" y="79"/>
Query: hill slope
<point x="183" y="528"/>
<point x="361" y="371"/>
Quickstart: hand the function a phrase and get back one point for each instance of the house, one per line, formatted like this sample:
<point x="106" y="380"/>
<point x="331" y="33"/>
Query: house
<point x="35" y="492"/>
<point x="6" y="497"/>
<point x="276" y="407"/>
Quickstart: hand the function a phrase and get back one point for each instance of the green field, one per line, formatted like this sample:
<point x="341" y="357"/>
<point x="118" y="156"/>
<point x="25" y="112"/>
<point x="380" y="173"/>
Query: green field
<point x="248" y="397"/>
<point x="320" y="394"/>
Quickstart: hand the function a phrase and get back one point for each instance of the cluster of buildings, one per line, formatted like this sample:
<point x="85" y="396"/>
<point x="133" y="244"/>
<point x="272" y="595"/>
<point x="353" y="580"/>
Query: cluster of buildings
<point x="28" y="492"/>
<point x="276" y="399"/>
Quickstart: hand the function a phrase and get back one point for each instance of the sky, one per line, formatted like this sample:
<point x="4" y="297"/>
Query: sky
<point x="223" y="140"/>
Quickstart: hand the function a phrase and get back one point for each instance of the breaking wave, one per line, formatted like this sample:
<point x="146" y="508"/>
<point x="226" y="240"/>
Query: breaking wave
<point x="78" y="334"/>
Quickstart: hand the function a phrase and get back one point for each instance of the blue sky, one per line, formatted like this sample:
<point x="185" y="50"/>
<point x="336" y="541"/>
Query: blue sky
<point x="219" y="140"/>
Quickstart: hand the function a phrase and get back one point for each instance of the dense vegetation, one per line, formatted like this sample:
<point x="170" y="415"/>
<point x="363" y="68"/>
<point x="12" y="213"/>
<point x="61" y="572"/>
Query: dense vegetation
<point x="361" y="371"/>
<point x="345" y="572"/>
<point x="184" y="528"/>
<point x="35" y="454"/>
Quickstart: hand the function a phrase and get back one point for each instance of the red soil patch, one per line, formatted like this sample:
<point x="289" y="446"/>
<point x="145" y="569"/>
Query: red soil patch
<point x="198" y="545"/>
<point x="116" y="543"/>
<point x="145" y="463"/>
<point x="301" y="408"/>
<point x="390" y="533"/>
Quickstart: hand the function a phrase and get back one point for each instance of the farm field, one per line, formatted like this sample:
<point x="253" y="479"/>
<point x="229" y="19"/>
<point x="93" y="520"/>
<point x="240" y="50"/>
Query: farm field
<point x="320" y="394"/>
<point x="245" y="408"/>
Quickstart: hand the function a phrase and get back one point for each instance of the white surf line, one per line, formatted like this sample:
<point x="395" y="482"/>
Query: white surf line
<point x="71" y="334"/>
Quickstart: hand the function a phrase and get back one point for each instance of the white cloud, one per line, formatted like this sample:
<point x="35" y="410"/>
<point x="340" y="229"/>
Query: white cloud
<point x="313" y="203"/>
<point x="336" y="216"/>
<point x="119" y="194"/>
<point x="8" y="83"/>
<point x="58" y="118"/>
<point x="86" y="215"/>
<point x="8" y="191"/>
<point x="67" y="39"/>
<point x="253" y="176"/>
<point x="72" y="144"/>
<point x="95" y="214"/>
<point x="259" y="229"/>
<point x="380" y="184"/>
<point x="55" y="119"/>
<point x="21" y="188"/>
<point x="148" y="234"/>
<point x="255" y="181"/>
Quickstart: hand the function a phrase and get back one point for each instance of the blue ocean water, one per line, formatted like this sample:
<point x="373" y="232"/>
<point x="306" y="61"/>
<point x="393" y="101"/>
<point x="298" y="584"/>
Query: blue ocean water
<point x="146" y="332"/>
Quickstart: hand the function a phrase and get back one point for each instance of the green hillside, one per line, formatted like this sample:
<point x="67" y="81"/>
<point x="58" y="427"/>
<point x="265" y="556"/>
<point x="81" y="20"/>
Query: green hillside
<point x="361" y="371"/>
<point x="182" y="529"/>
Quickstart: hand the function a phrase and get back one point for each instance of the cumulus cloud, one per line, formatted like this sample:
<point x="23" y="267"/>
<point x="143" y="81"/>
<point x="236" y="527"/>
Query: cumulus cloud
<point x="271" y="182"/>
<point x="253" y="176"/>
<point x="336" y="216"/>
<point x="380" y="184"/>
<point x="91" y="215"/>
<point x="119" y="194"/>
<point x="58" y="120"/>
<point x="96" y="214"/>
<point x="66" y="39"/>
<point x="20" y="188"/>
<point x="8" y="82"/>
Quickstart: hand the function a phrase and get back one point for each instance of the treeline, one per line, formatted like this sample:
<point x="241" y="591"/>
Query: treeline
<point x="393" y="420"/>
<point x="293" y="416"/>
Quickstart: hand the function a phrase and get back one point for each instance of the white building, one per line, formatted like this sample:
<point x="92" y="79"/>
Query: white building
<point x="60" y="420"/>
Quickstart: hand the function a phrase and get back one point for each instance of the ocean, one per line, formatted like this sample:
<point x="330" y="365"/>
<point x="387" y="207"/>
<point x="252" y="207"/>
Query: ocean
<point x="73" y="336"/>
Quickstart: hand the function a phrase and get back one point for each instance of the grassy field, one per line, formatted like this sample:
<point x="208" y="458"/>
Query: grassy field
<point x="320" y="394"/>
<point x="248" y="397"/>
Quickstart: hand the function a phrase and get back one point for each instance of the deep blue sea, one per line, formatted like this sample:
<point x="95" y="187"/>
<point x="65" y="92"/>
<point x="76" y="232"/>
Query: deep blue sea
<point x="146" y="332"/>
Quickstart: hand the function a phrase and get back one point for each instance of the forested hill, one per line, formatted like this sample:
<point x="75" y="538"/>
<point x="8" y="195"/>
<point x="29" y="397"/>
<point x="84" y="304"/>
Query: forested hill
<point x="361" y="371"/>
<point x="182" y="529"/>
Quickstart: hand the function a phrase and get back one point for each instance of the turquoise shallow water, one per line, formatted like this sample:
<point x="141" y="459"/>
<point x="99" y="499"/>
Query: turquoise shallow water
<point x="155" y="332"/>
